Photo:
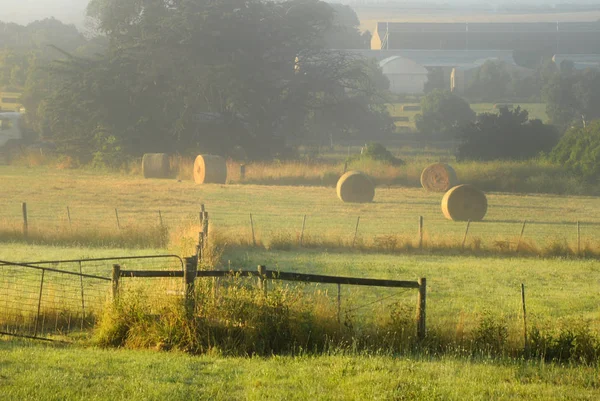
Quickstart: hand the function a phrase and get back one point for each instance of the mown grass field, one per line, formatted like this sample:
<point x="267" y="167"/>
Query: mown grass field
<point x="561" y="293"/>
<point x="279" y="210"/>
<point x="46" y="372"/>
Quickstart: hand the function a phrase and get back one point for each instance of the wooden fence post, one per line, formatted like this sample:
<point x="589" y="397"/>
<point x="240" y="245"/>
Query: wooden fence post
<point x="118" y="222"/>
<point x="578" y="239"/>
<point x="526" y="347"/>
<point x="466" y="233"/>
<point x="420" y="232"/>
<point x="242" y="172"/>
<point x="116" y="275"/>
<point x="252" y="228"/>
<point x="160" y="219"/>
<point x="355" y="231"/>
<point x="421" y="309"/>
<point x="262" y="283"/>
<point x="302" y="232"/>
<point x="25" y="222"/>
<point x="69" y="217"/>
<point x="189" y="278"/>
<point x="521" y="235"/>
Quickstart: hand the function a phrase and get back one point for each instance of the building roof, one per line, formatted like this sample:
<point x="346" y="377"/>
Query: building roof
<point x="441" y="58"/>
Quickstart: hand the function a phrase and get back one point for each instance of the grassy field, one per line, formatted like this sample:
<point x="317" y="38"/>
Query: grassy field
<point x="42" y="372"/>
<point x="93" y="197"/>
<point x="536" y="111"/>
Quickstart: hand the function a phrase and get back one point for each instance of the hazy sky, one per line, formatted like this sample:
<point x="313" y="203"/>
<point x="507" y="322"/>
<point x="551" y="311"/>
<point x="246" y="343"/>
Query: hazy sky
<point x="73" y="11"/>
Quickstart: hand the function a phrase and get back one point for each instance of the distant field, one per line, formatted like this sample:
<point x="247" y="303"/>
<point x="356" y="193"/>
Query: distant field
<point x="93" y="197"/>
<point x="369" y="16"/>
<point x="536" y="111"/>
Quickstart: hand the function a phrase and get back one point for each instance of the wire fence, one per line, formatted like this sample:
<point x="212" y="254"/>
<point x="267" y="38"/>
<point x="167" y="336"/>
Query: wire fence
<point x="45" y="299"/>
<point x="263" y="225"/>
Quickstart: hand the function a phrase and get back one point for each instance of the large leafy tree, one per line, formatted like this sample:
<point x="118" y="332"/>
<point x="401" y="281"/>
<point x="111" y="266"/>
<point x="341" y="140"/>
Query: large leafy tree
<point x="441" y="113"/>
<point x="191" y="76"/>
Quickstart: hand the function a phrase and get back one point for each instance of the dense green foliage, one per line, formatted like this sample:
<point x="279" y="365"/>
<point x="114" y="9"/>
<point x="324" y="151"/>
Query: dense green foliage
<point x="573" y="96"/>
<point x="579" y="151"/>
<point x="490" y="82"/>
<point x="193" y="77"/>
<point x="441" y="112"/>
<point x="507" y="135"/>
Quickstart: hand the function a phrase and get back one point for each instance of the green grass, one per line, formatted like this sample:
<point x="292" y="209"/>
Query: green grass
<point x="93" y="197"/>
<point x="45" y="372"/>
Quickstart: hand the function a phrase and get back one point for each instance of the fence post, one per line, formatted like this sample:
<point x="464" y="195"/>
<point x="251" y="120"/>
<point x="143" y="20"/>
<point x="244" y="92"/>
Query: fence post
<point x="39" y="308"/>
<point x="69" y="217"/>
<point x="242" y="172"/>
<point x="526" y="347"/>
<point x="160" y="219"/>
<point x="25" y="223"/>
<point x="189" y="277"/>
<point x="82" y="296"/>
<point x="421" y="309"/>
<point x="466" y="233"/>
<point x="339" y="302"/>
<point x="118" y="222"/>
<point x="302" y="232"/>
<point x="578" y="239"/>
<point x="262" y="283"/>
<point x="252" y="228"/>
<point x="355" y="231"/>
<point x="116" y="275"/>
<point x="420" y="232"/>
<point x="521" y="235"/>
<point x="205" y="225"/>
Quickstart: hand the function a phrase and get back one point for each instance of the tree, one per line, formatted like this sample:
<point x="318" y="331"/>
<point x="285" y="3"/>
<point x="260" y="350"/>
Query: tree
<point x="579" y="151"/>
<point x="441" y="112"/>
<point x="187" y="76"/>
<point x="435" y="79"/>
<point x="507" y="135"/>
<point x="490" y="82"/>
<point x="573" y="97"/>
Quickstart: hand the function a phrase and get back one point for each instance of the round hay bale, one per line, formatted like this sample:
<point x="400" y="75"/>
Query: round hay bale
<point x="355" y="187"/>
<point x="464" y="202"/>
<point x="210" y="169"/>
<point x="156" y="165"/>
<point x="438" y="177"/>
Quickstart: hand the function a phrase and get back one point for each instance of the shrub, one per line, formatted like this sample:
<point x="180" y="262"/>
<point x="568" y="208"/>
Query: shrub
<point x="378" y="152"/>
<point x="508" y="135"/>
<point x="579" y="151"/>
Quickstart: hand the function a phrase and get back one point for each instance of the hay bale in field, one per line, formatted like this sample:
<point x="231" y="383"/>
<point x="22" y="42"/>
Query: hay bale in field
<point x="355" y="187"/>
<point x="156" y="165"/>
<point x="464" y="202"/>
<point x="438" y="177"/>
<point x="210" y="169"/>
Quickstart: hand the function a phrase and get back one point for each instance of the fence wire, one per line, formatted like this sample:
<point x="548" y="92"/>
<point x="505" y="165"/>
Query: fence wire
<point x="45" y="299"/>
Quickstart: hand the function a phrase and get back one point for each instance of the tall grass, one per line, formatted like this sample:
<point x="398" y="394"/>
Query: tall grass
<point x="238" y="319"/>
<point x="532" y="176"/>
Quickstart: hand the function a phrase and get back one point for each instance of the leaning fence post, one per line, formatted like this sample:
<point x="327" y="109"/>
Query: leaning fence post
<point x="116" y="275"/>
<point x="521" y="236"/>
<point x="39" y="306"/>
<point x="355" y="231"/>
<point x="420" y="232"/>
<point x="25" y="224"/>
<point x="252" y="228"/>
<point x="421" y="309"/>
<point x="302" y="232"/>
<point x="189" y="277"/>
<point x="466" y="233"/>
<point x="262" y="283"/>
<point x="117" y="216"/>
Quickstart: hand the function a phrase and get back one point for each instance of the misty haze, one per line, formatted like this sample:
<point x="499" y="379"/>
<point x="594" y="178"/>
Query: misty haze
<point x="299" y="200"/>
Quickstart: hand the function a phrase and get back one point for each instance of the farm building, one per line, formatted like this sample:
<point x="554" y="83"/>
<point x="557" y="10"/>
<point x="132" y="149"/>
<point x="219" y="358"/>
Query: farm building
<point x="407" y="69"/>
<point x="550" y="37"/>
